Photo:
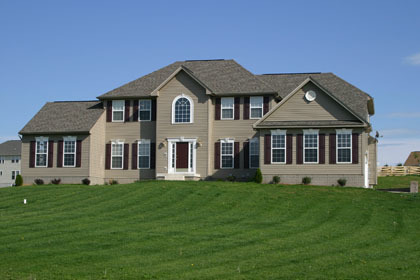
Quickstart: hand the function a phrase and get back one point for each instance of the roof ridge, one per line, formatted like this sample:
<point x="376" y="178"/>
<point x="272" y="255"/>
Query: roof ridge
<point x="302" y="73"/>
<point x="69" y="101"/>
<point x="214" y="59"/>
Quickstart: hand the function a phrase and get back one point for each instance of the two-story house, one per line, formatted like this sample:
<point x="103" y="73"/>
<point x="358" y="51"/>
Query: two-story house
<point x="9" y="162"/>
<point x="208" y="119"/>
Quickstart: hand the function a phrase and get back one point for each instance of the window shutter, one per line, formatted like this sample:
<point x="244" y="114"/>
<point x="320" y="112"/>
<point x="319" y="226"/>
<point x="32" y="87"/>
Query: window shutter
<point x="134" y="156"/>
<point x="108" y="156"/>
<point x="50" y="153"/>
<point x="217" y="155"/>
<point x="237" y="107"/>
<point x="79" y="153"/>
<point x="60" y="154"/>
<point x="266" y="104"/>
<point x="332" y="149"/>
<point x="217" y="112"/>
<point x="267" y="149"/>
<point x="246" y="154"/>
<point x="126" y="153"/>
<point x="109" y="111"/>
<point x="246" y="108"/>
<point x="299" y="149"/>
<point x="154" y="108"/>
<point x="355" y="148"/>
<point x="32" y="148"/>
<point x="135" y="110"/>
<point x="322" y="148"/>
<point x="289" y="149"/>
<point x="152" y="155"/>
<point x="127" y="110"/>
<point x="237" y="155"/>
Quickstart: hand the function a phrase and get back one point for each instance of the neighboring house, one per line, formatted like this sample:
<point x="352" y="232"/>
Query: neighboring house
<point x="413" y="159"/>
<point x="9" y="162"/>
<point x="208" y="119"/>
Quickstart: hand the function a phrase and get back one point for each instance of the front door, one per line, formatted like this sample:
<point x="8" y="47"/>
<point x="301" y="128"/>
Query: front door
<point x="182" y="155"/>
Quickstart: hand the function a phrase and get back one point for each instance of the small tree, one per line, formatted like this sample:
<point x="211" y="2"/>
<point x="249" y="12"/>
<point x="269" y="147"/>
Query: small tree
<point x="18" y="180"/>
<point x="258" y="176"/>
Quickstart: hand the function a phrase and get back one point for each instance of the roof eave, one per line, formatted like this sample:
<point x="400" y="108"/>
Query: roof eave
<point x="310" y="126"/>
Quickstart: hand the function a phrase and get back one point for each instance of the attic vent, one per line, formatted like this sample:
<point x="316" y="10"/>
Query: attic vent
<point x="310" y="95"/>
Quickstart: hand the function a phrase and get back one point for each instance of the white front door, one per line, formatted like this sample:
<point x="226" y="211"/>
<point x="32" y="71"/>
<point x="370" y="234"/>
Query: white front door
<point x="181" y="155"/>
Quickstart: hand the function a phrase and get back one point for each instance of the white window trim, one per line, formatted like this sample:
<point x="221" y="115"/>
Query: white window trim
<point x="113" y="110"/>
<point x="311" y="132"/>
<point x="233" y="108"/>
<point x="252" y="140"/>
<point x="224" y="141"/>
<point x="41" y="139"/>
<point x="16" y="172"/>
<point x="256" y="107"/>
<point x="343" y="131"/>
<point x="69" y="139"/>
<point x="150" y="110"/>
<point x="118" y="142"/>
<point x="191" y="109"/>
<point x="142" y="141"/>
<point x="279" y="132"/>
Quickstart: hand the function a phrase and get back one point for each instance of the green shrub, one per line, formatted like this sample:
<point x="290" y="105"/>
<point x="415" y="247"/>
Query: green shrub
<point x="276" y="179"/>
<point x="39" y="182"/>
<point x="400" y="164"/>
<point x="306" y="180"/>
<point x="56" y="181"/>
<point x="231" y="178"/>
<point x="113" y="182"/>
<point x="86" y="182"/>
<point x="18" y="180"/>
<point x="258" y="176"/>
<point x="342" y="182"/>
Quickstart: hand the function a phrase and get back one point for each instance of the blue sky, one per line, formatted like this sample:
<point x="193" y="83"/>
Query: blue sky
<point x="77" y="50"/>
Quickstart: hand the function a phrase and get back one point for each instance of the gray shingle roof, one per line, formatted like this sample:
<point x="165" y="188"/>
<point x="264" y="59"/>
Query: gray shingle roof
<point x="220" y="76"/>
<point x="271" y="124"/>
<point x="64" y="117"/>
<point x="11" y="148"/>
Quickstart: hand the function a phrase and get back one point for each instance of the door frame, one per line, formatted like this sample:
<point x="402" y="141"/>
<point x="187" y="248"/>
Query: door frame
<point x="192" y="147"/>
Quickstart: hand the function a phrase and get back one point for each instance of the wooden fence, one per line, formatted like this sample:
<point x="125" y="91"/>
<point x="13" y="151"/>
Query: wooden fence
<point x="398" y="170"/>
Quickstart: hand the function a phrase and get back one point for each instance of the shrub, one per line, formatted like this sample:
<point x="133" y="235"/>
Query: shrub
<point x="306" y="180"/>
<point x="231" y="178"/>
<point x="39" y="182"/>
<point x="258" y="176"/>
<point x="86" y="182"/>
<point x="18" y="180"/>
<point x="399" y="164"/>
<point x="56" y="181"/>
<point x="342" y="182"/>
<point x="276" y="179"/>
<point x="113" y="182"/>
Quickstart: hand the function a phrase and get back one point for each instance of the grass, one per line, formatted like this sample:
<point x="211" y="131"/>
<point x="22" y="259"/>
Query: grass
<point x="207" y="230"/>
<point x="396" y="182"/>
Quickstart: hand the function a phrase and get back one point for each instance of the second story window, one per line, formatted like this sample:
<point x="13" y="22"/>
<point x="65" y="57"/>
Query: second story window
<point x="69" y="152"/>
<point x="145" y="110"/>
<point x="41" y="158"/>
<point x="310" y="146"/>
<point x="227" y="108"/>
<point x="117" y="153"/>
<point x="256" y="106"/>
<point x="117" y="110"/>
<point x="182" y="110"/>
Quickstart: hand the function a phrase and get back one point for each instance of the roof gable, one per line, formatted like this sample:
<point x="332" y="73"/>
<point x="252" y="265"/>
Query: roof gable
<point x="11" y="148"/>
<point x="413" y="159"/>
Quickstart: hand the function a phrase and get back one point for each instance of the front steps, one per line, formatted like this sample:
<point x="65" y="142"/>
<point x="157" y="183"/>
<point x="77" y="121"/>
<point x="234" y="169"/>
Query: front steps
<point x="178" y="177"/>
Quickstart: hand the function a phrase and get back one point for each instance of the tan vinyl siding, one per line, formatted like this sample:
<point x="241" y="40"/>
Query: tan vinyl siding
<point x="97" y="154"/>
<point x="373" y="176"/>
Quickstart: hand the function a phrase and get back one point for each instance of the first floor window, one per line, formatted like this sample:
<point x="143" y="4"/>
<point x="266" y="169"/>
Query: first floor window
<point x="226" y="153"/>
<point x="278" y="147"/>
<point x="41" y="152"/>
<point x="310" y="146"/>
<point x="117" y="152"/>
<point x="14" y="174"/>
<point x="144" y="154"/>
<point x="254" y="153"/>
<point x="69" y="152"/>
<point x="145" y="109"/>
<point x="118" y="110"/>
<point x="227" y="106"/>
<point x="256" y="106"/>
<point x="344" y="146"/>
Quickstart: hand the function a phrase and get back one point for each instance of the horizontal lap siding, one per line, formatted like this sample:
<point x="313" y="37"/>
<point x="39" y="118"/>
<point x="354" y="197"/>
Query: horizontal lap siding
<point x="97" y="150"/>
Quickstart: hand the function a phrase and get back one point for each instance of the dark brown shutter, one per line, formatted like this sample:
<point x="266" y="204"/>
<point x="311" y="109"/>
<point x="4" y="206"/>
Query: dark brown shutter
<point x="134" y="156"/>
<point x="321" y="148"/>
<point x="289" y="149"/>
<point x="237" y="155"/>
<point x="135" y="110"/>
<point x="60" y="153"/>
<point x="299" y="149"/>
<point x="109" y="111"/>
<point x="237" y="107"/>
<point x="217" y="155"/>
<point x="332" y="148"/>
<point x="355" y="148"/>
<point x="127" y="110"/>
<point x="108" y="156"/>
<point x="217" y="107"/>
<point x="246" y="108"/>
<point x="246" y="154"/>
<point x="266" y="104"/>
<point x="50" y="153"/>
<point x="126" y="153"/>
<point x="152" y="155"/>
<point x="267" y="149"/>
<point x="154" y="108"/>
<point x="32" y="148"/>
<point x="79" y="153"/>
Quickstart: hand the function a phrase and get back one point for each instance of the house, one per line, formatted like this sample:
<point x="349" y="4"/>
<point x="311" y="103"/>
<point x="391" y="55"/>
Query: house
<point x="207" y="119"/>
<point x="9" y="162"/>
<point x="413" y="159"/>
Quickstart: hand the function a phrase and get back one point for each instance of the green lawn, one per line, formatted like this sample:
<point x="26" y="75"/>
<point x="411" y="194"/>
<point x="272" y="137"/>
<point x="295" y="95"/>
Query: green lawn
<point x="396" y="182"/>
<point x="207" y="230"/>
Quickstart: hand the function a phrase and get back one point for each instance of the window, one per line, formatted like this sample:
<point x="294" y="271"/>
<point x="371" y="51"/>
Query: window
<point x="69" y="152"/>
<point x="118" y="110"/>
<point x="226" y="148"/>
<point x="144" y="154"/>
<point x="1" y="173"/>
<point x="256" y="105"/>
<point x="41" y="155"/>
<point x="278" y="146"/>
<point x="1" y="160"/>
<point x="343" y="146"/>
<point x="117" y="152"/>
<point x="14" y="174"/>
<point x="145" y="110"/>
<point x="310" y="146"/>
<point x="254" y="153"/>
<point x="182" y="109"/>
<point x="227" y="108"/>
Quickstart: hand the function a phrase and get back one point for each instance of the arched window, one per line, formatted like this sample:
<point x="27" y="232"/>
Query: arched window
<point x="182" y="109"/>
